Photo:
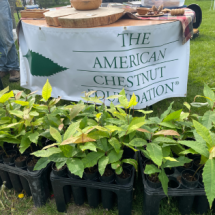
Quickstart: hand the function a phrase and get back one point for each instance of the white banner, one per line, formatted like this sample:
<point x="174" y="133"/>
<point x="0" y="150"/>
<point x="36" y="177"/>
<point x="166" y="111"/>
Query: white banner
<point x="149" y="61"/>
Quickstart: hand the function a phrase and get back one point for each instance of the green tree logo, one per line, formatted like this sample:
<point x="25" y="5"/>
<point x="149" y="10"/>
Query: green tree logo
<point x="42" y="66"/>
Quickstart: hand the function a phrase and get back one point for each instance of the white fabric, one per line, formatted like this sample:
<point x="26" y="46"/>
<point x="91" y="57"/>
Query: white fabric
<point x="86" y="53"/>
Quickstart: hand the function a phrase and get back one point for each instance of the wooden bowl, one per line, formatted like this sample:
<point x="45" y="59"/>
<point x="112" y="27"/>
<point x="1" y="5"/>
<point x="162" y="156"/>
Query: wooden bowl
<point x="86" y="4"/>
<point x="142" y="10"/>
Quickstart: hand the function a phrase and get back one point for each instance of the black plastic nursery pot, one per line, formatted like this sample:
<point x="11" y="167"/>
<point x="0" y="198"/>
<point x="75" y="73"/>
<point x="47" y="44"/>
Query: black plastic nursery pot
<point x="107" y="196"/>
<point x="38" y="185"/>
<point x="31" y="161"/>
<point x="62" y="172"/>
<point x="93" y="195"/>
<point x="78" y="192"/>
<point x="9" y="158"/>
<point x="188" y="194"/>
<point x="123" y="193"/>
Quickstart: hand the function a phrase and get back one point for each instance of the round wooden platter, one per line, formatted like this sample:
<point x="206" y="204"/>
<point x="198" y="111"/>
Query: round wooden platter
<point x="72" y="18"/>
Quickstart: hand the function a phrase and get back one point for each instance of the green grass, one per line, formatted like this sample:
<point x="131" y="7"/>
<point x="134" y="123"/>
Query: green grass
<point x="201" y="70"/>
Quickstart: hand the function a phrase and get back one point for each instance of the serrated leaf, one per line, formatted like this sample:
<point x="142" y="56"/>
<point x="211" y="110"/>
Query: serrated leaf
<point x="103" y="161"/>
<point x="75" y="166"/>
<point x="113" y="128"/>
<point x="83" y="123"/>
<point x="172" y="116"/>
<point x="151" y="169"/>
<point x="164" y="180"/>
<point x="92" y="158"/>
<point x="88" y="146"/>
<point x="198" y="147"/>
<point x="41" y="163"/>
<point x="133" y="101"/>
<point x="210" y="94"/>
<point x="68" y="151"/>
<point x="119" y="170"/>
<point x="34" y="137"/>
<point x="115" y="143"/>
<point x="103" y="145"/>
<point x="6" y="96"/>
<point x="208" y="180"/>
<point x="208" y="119"/>
<point x="47" y="152"/>
<point x="55" y="134"/>
<point x="180" y="161"/>
<point x="203" y="132"/>
<point x="60" y="164"/>
<point x="155" y="153"/>
<point x="114" y="156"/>
<point x="163" y="140"/>
<point x="138" y="142"/>
<point x="136" y="123"/>
<point x="46" y="91"/>
<point x="76" y="110"/>
<point x="167" y="132"/>
<point x="166" y="151"/>
<point x="71" y="130"/>
<point x="163" y="115"/>
<point x="25" y="143"/>
<point x="59" y="157"/>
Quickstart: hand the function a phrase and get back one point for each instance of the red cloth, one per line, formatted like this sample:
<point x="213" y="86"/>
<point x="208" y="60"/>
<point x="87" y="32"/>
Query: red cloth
<point x="186" y="20"/>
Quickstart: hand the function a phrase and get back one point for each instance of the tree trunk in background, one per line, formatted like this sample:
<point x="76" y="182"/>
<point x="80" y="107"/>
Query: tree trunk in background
<point x="12" y="8"/>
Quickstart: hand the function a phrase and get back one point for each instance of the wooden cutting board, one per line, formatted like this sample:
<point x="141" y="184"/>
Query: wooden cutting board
<point x="33" y="13"/>
<point x="52" y="16"/>
<point x="72" y="18"/>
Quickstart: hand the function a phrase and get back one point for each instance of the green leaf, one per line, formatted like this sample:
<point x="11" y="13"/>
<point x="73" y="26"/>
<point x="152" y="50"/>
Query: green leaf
<point x="34" y="137"/>
<point x="116" y="165"/>
<point x="2" y="92"/>
<point x="41" y="163"/>
<point x="167" y="124"/>
<point x="114" y="156"/>
<point x="198" y="147"/>
<point x="115" y="143"/>
<point x="208" y="179"/>
<point x="155" y="153"/>
<point x="103" y="145"/>
<point x="138" y="142"/>
<point x="25" y="143"/>
<point x="17" y="113"/>
<point x="115" y="121"/>
<point x="136" y="123"/>
<point x="187" y="105"/>
<point x="113" y="97"/>
<point x="119" y="170"/>
<point x="132" y="162"/>
<point x="47" y="90"/>
<point x="203" y="132"/>
<point x="173" y="116"/>
<point x="145" y="112"/>
<point x="88" y="146"/>
<point x="166" y="151"/>
<point x="76" y="110"/>
<point x="75" y="166"/>
<point x="56" y="134"/>
<point x="163" y="115"/>
<point x="23" y="103"/>
<point x="68" y="150"/>
<point x="59" y="157"/>
<point x="71" y="130"/>
<point x="151" y="169"/>
<point x="208" y="92"/>
<point x="83" y="123"/>
<point x="133" y="101"/>
<point x="180" y="161"/>
<point x="91" y="159"/>
<point x="6" y="96"/>
<point x="60" y="164"/>
<point x="47" y="152"/>
<point x="163" y="140"/>
<point x="208" y="118"/>
<point x="103" y="161"/>
<point x="113" y="128"/>
<point x="123" y="100"/>
<point x="164" y="180"/>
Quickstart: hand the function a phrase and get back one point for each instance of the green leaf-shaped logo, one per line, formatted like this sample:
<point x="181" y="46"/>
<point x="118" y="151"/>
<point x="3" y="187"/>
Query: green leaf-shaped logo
<point x="42" y="66"/>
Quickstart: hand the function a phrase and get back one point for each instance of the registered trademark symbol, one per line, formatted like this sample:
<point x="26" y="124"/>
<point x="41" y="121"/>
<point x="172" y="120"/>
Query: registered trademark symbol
<point x="177" y="83"/>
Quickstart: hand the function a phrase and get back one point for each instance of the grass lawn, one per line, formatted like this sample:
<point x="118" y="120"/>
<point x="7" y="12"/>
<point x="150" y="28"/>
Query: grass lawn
<point x="202" y="63"/>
